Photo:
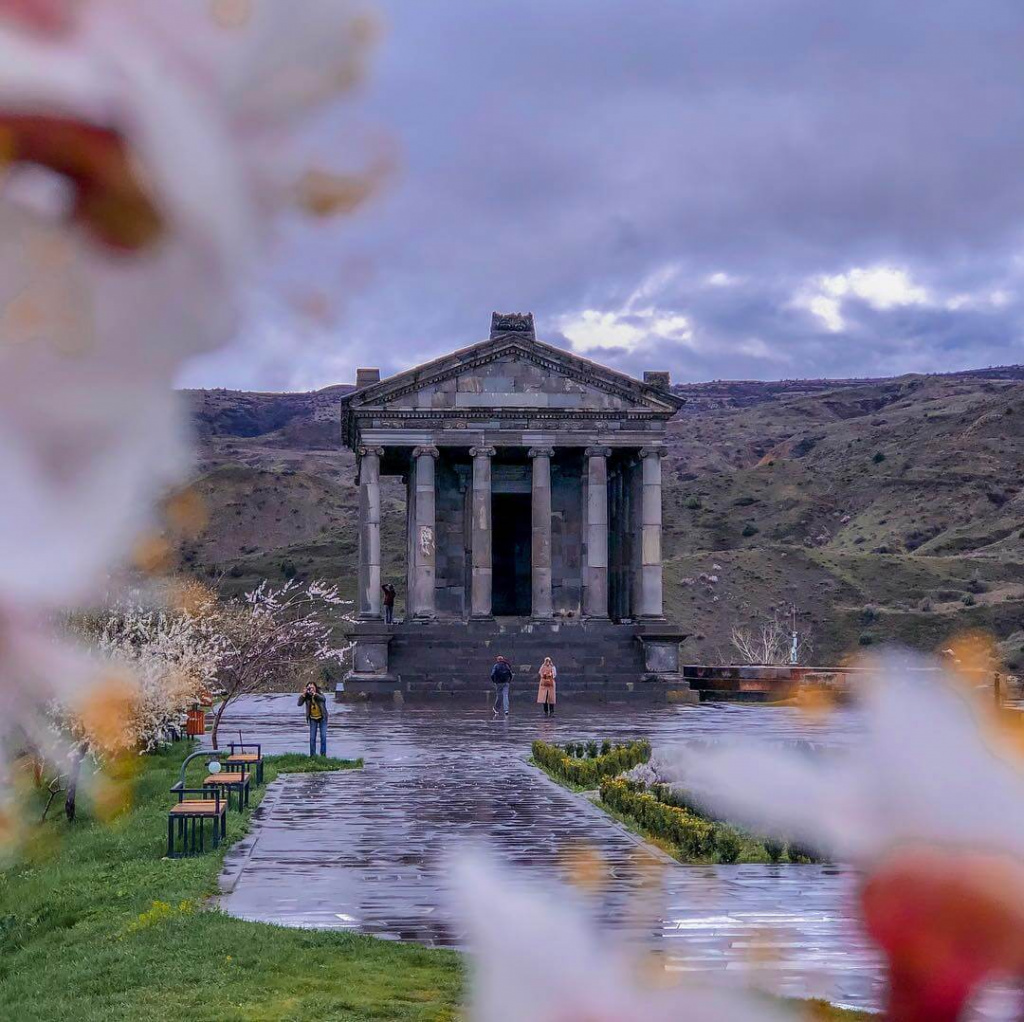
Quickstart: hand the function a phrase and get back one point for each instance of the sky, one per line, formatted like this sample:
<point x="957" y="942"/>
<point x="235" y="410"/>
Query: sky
<point x="727" y="189"/>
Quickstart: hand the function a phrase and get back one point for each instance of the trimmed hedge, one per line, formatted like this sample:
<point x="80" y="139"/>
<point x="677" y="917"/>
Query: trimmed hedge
<point x="694" y="837"/>
<point x="669" y="815"/>
<point x="594" y="763"/>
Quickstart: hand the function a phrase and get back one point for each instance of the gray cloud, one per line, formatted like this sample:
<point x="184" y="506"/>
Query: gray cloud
<point x="610" y="156"/>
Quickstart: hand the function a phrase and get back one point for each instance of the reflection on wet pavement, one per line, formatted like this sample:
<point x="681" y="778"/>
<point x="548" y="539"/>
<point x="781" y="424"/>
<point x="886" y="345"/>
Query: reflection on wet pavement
<point x="367" y="850"/>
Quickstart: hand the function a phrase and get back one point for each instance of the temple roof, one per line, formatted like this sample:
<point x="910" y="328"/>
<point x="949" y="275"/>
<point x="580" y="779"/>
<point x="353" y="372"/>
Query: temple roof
<point x="512" y="370"/>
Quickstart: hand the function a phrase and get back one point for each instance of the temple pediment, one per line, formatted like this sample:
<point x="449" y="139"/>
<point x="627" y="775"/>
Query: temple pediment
<point x="513" y="372"/>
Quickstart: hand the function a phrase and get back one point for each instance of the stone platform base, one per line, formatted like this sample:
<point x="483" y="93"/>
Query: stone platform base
<point x="596" y="660"/>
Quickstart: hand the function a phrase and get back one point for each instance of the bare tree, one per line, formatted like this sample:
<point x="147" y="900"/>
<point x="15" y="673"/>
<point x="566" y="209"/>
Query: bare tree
<point x="274" y="632"/>
<point x="767" y="643"/>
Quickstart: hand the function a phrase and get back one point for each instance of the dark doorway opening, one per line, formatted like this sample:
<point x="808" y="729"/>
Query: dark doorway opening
<point x="511" y="538"/>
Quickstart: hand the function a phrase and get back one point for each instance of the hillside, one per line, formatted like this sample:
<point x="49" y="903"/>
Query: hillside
<point x="880" y="509"/>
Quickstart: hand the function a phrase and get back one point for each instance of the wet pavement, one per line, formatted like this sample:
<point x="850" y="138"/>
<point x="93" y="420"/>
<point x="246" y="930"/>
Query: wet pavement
<point x="367" y="850"/>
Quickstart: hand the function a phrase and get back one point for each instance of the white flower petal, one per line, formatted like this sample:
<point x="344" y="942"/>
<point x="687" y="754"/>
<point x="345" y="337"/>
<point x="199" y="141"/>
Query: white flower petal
<point x="924" y="771"/>
<point x="538" y="956"/>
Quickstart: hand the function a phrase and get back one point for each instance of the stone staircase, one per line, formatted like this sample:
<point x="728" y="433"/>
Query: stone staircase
<point x="595" y="659"/>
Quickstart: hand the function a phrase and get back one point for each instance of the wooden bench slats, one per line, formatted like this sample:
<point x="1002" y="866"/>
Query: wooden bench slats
<point x="224" y="779"/>
<point x="198" y="808"/>
<point x="243" y="757"/>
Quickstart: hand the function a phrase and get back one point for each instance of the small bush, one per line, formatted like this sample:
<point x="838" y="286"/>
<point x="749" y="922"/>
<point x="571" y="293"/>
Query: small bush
<point x="968" y="600"/>
<point x="878" y="458"/>
<point x="750" y="530"/>
<point x="728" y="844"/>
<point x="693" y="503"/>
<point x="866" y="639"/>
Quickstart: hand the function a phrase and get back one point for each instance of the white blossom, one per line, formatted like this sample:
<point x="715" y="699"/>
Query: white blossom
<point x="99" y="310"/>
<point x="926" y="770"/>
<point x="538" y="955"/>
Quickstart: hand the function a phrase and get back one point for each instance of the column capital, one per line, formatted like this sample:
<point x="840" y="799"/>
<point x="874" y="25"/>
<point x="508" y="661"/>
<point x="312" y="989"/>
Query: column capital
<point x="597" y="452"/>
<point x="363" y="451"/>
<point x="430" y="452"/>
<point x="482" y="452"/>
<point x="653" y="452"/>
<point x="541" y="452"/>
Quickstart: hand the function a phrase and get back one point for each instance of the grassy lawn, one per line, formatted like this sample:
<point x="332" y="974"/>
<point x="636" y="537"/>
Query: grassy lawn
<point x="96" y="925"/>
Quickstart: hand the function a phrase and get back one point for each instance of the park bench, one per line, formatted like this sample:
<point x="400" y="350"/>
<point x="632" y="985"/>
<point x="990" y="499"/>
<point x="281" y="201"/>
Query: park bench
<point x="209" y="801"/>
<point x="241" y="754"/>
<point x="191" y="811"/>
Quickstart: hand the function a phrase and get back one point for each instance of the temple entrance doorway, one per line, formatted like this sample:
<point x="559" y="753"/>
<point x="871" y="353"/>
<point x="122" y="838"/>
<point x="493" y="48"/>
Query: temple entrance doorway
<point x="512" y="594"/>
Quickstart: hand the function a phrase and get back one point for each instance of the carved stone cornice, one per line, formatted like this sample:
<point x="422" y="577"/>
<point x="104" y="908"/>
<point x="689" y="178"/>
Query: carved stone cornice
<point x="541" y="452"/>
<point x="364" y="451"/>
<point x="653" y="452"/>
<point x="597" y="452"/>
<point x="430" y="452"/>
<point x="482" y="452"/>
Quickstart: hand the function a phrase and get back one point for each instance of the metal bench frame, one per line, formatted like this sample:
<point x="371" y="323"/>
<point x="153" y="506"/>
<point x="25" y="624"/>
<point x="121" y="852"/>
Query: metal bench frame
<point x="219" y="816"/>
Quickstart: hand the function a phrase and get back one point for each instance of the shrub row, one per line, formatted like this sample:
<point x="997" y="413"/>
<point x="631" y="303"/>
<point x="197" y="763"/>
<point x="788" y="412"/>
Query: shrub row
<point x="589" y="771"/>
<point x="693" y="836"/>
<point x="671" y="816"/>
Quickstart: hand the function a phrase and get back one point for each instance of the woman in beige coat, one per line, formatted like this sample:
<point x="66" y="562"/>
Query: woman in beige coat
<point x="546" y="690"/>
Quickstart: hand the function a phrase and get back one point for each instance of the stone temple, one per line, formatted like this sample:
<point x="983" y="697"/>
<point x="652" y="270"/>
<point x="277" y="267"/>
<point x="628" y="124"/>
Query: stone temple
<point x="533" y="522"/>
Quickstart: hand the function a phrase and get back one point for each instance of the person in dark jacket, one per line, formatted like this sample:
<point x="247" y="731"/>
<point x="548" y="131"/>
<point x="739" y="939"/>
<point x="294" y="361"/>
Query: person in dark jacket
<point x="501" y="675"/>
<point x="389" y="592"/>
<point x="316" y="716"/>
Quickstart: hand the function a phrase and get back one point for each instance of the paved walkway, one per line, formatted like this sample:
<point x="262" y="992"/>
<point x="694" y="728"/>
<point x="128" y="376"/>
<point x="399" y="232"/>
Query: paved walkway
<point x="366" y="850"/>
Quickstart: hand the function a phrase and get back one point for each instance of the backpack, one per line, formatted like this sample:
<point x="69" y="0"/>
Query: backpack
<point x="502" y="674"/>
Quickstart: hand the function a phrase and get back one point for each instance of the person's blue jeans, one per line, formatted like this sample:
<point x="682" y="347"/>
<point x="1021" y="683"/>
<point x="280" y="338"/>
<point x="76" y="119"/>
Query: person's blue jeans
<point x="314" y="726"/>
<point x="501" y="695"/>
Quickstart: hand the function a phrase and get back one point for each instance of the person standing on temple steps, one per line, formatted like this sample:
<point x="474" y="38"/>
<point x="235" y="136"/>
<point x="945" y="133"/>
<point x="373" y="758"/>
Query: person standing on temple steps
<point x="501" y="675"/>
<point x="546" y="691"/>
<point x="389" y="592"/>
<point x="316" y="716"/>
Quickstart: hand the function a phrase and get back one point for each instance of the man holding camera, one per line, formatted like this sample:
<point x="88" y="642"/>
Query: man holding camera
<point x="316" y="716"/>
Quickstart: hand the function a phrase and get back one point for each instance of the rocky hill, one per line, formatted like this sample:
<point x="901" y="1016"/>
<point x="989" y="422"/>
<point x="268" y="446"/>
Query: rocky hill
<point x="878" y="509"/>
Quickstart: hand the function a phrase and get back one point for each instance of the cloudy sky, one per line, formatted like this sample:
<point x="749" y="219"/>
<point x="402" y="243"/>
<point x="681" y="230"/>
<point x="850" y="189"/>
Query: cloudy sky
<point x="722" y="188"/>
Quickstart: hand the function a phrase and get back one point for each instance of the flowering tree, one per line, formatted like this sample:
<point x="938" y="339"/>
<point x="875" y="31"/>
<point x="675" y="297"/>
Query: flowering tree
<point x="274" y="631"/>
<point x="172" y="657"/>
<point x="154" y="664"/>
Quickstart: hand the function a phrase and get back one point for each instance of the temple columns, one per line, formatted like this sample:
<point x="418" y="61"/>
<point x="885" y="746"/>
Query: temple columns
<point x="480" y="534"/>
<point x="597" y="532"/>
<point x="650" y="534"/>
<point x="369" y="531"/>
<point x="540" y="557"/>
<point x="425" y="532"/>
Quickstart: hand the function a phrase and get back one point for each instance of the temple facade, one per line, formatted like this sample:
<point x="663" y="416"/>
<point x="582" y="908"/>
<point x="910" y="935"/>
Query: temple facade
<point x="534" y="514"/>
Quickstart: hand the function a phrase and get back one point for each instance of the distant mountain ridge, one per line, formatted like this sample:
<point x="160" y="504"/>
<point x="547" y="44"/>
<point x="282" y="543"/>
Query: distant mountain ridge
<point x="882" y="509"/>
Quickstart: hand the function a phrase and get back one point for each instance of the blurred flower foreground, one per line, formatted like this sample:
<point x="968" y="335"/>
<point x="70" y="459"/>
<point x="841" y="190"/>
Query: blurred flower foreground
<point x="146" y="149"/>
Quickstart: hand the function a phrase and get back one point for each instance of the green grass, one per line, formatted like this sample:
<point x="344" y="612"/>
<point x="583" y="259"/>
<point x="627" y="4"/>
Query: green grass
<point x="298" y="763"/>
<point x="95" y="925"/>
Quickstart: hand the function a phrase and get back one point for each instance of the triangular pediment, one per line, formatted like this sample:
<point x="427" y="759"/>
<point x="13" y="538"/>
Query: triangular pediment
<point x="511" y="372"/>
